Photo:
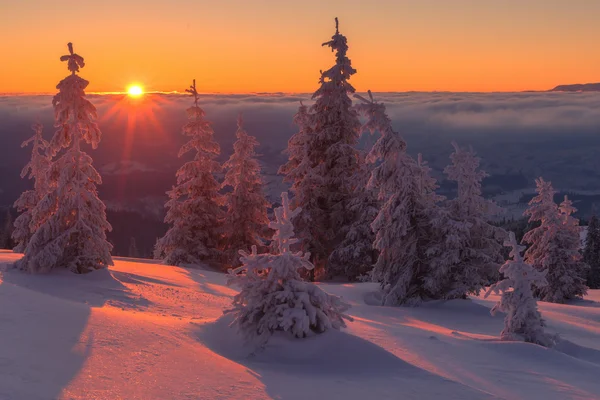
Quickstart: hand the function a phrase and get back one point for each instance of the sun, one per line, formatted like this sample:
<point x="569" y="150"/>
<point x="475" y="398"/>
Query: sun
<point x="135" y="91"/>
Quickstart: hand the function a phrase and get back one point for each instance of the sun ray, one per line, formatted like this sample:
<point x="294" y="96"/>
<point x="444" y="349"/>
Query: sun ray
<point x="141" y="117"/>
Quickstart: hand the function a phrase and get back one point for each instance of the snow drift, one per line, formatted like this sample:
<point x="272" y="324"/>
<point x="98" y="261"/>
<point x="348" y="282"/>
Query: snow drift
<point x="141" y="330"/>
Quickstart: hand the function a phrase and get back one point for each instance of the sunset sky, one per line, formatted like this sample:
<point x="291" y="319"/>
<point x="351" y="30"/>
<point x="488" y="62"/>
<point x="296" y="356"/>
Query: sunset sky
<point x="231" y="46"/>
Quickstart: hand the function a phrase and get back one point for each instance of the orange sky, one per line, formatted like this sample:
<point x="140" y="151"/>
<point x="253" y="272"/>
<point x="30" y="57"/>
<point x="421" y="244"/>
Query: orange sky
<point x="274" y="45"/>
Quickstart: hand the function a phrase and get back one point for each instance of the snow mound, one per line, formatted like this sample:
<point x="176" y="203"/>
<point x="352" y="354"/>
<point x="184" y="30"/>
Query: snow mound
<point x="330" y="351"/>
<point x="333" y="355"/>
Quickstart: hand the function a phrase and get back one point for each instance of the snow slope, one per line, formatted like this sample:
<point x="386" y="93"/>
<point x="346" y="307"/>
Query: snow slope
<point x="146" y="331"/>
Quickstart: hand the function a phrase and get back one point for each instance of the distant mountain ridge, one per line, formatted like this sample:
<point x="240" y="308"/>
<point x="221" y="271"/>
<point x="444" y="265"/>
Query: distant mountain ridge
<point x="578" y="87"/>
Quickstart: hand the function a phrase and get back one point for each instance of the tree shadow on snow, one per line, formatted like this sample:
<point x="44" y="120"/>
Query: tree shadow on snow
<point x="334" y="364"/>
<point x="93" y="289"/>
<point x="130" y="277"/>
<point x="43" y="344"/>
<point x="581" y="352"/>
<point x="215" y="287"/>
<point x="583" y="303"/>
<point x="455" y="315"/>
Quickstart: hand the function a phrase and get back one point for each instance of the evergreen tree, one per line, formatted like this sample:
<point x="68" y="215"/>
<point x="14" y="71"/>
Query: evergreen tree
<point x="404" y="227"/>
<point x="323" y="159"/>
<point x="246" y="221"/>
<point x="554" y="246"/>
<point x="6" y="237"/>
<point x="35" y="169"/>
<point x="194" y="211"/>
<point x="591" y="254"/>
<point x="133" y="249"/>
<point x="469" y="251"/>
<point x="298" y="171"/>
<point x="523" y="321"/>
<point x="542" y="212"/>
<point x="355" y="256"/>
<point x="71" y="219"/>
<point x="273" y="296"/>
<point x="567" y="272"/>
<point x="297" y="166"/>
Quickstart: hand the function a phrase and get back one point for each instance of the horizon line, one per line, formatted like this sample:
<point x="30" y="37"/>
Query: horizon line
<point x="281" y="93"/>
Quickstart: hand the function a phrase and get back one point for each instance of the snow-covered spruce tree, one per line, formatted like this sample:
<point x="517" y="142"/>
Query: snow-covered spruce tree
<point x="72" y="233"/>
<point x="194" y="203"/>
<point x="35" y="169"/>
<point x="297" y="165"/>
<point x="355" y="256"/>
<point x="324" y="186"/>
<point x="469" y="252"/>
<point x="523" y="320"/>
<point x="554" y="246"/>
<point x="298" y="171"/>
<point x="543" y="210"/>
<point x="591" y="253"/>
<point x="246" y="221"/>
<point x="404" y="227"/>
<point x="566" y="270"/>
<point x="274" y="297"/>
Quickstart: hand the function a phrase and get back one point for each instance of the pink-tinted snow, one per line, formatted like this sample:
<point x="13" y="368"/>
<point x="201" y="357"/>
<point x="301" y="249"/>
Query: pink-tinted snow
<point x="141" y="330"/>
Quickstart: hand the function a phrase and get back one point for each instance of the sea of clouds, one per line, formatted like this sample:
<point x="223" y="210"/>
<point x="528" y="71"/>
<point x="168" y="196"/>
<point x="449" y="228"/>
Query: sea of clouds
<point x="518" y="135"/>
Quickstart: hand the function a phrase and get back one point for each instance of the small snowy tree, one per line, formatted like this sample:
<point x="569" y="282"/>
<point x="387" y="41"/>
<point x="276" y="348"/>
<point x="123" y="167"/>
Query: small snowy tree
<point x="35" y="169"/>
<point x="246" y="221"/>
<point x="404" y="227"/>
<point x="523" y="320"/>
<point x="554" y="246"/>
<point x="194" y="203"/>
<point x="325" y="162"/>
<point x="274" y="297"/>
<point x="469" y="251"/>
<point x="591" y="253"/>
<point x="72" y="219"/>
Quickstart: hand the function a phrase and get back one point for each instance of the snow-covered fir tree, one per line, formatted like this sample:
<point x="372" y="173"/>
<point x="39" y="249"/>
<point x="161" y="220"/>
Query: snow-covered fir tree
<point x="72" y="231"/>
<point x="469" y="252"/>
<point x="274" y="297"/>
<point x="355" y="256"/>
<point x="591" y="253"/>
<point x="543" y="210"/>
<point x="523" y="321"/>
<point x="35" y="169"/>
<point x="323" y="159"/>
<point x="554" y="246"/>
<point x="298" y="164"/>
<point x="404" y="227"/>
<point x="246" y="222"/>
<point x="194" y="205"/>
<point x="567" y="272"/>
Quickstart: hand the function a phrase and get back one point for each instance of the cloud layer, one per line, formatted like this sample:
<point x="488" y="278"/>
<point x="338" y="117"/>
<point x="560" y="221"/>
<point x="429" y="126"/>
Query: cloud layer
<point x="554" y="134"/>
